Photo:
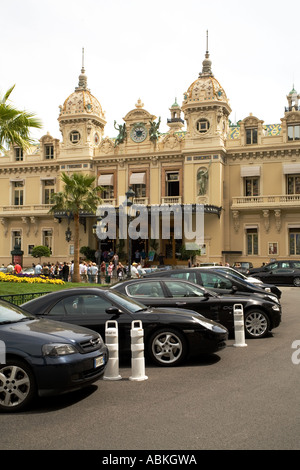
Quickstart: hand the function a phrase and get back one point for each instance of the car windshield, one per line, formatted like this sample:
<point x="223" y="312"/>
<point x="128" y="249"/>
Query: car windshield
<point x="122" y="299"/>
<point x="11" y="313"/>
<point x="245" y="282"/>
<point x="232" y="272"/>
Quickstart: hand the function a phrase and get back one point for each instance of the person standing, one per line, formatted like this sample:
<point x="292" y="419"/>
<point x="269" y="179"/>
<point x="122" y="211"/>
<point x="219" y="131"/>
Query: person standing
<point x="18" y="268"/>
<point x="94" y="272"/>
<point x="134" y="271"/>
<point x="103" y="270"/>
<point x="83" y="271"/>
<point x="110" y="269"/>
<point x="10" y="268"/>
<point x="65" y="272"/>
<point x="38" y="269"/>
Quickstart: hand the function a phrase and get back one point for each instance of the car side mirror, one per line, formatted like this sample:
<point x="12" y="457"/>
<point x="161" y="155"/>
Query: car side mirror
<point x="234" y="289"/>
<point x="112" y="311"/>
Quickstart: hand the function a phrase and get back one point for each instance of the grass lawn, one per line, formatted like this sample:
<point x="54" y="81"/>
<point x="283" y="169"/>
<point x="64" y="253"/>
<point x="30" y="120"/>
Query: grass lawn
<point x="12" y="288"/>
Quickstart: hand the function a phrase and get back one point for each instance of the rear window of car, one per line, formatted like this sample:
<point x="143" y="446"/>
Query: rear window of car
<point x="145" y="289"/>
<point x="214" y="281"/>
<point x="192" y="277"/>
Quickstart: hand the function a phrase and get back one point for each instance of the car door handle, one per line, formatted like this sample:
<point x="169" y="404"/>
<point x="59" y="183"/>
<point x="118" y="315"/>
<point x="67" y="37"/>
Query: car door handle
<point x="180" y="303"/>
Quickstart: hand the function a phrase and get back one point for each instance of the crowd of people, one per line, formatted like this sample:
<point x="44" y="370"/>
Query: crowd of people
<point x="109" y="269"/>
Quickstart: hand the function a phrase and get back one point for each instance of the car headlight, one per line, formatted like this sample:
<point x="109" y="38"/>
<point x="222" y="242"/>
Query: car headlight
<point x="211" y="326"/>
<point x="274" y="298"/>
<point x="58" y="349"/>
<point x="276" y="307"/>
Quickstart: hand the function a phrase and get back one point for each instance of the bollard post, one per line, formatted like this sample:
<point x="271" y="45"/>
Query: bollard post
<point x="239" y="325"/>
<point x="137" y="352"/>
<point x="112" y="343"/>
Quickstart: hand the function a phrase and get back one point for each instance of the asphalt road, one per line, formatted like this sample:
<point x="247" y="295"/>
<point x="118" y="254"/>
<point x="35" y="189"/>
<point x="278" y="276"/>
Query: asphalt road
<point x="240" y="399"/>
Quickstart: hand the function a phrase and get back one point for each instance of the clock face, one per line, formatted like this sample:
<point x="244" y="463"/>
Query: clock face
<point x="139" y="133"/>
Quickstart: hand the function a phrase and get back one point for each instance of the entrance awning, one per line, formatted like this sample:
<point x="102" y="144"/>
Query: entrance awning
<point x="106" y="180"/>
<point x="138" y="178"/>
<point x="250" y="170"/>
<point x="293" y="168"/>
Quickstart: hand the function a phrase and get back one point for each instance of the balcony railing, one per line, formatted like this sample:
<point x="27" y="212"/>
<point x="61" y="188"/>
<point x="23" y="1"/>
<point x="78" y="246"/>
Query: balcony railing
<point x="34" y="208"/>
<point x="141" y="200"/>
<point x="171" y="200"/>
<point x="286" y="200"/>
<point x="110" y="202"/>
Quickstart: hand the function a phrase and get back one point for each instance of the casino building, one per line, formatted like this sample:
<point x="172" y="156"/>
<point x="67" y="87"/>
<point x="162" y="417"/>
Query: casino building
<point x="246" y="175"/>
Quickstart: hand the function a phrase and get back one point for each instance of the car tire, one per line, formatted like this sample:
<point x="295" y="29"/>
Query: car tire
<point x="167" y="347"/>
<point x="17" y="386"/>
<point x="257" y="324"/>
<point x="296" y="281"/>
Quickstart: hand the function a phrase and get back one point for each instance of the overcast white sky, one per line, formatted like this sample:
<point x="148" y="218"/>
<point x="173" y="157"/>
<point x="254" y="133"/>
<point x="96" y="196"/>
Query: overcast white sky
<point x="151" y="50"/>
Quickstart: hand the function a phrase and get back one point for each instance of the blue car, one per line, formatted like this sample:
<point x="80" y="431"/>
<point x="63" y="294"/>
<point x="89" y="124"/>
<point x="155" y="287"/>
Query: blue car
<point x="44" y="357"/>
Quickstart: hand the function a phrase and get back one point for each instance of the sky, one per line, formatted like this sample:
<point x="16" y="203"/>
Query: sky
<point x="149" y="50"/>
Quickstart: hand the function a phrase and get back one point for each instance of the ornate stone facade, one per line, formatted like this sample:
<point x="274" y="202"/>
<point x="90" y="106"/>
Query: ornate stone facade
<point x="247" y="175"/>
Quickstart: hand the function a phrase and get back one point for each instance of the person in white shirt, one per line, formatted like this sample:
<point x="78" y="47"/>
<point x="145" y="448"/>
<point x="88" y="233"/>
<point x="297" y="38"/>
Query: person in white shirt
<point x="94" y="272"/>
<point x="83" y="271"/>
<point x="134" y="271"/>
<point x="38" y="269"/>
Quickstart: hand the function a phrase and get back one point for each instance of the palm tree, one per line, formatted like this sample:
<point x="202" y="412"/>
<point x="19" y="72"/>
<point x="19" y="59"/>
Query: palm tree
<point x="78" y="195"/>
<point x="15" y="125"/>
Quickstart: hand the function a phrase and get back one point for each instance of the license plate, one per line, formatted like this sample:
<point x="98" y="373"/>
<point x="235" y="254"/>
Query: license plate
<point x="99" y="361"/>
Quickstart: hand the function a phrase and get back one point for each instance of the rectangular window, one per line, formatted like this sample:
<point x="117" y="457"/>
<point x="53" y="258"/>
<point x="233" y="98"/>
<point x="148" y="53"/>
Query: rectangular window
<point x="48" y="191"/>
<point x="172" y="184"/>
<point x="251" y="136"/>
<point x="47" y="239"/>
<point x="139" y="189"/>
<point x="18" y="194"/>
<point x="294" y="132"/>
<point x="19" y="154"/>
<point x="16" y="239"/>
<point x="252" y="186"/>
<point x="108" y="192"/>
<point x="293" y="184"/>
<point x="294" y="241"/>
<point x="49" y="152"/>
<point x="252" y="241"/>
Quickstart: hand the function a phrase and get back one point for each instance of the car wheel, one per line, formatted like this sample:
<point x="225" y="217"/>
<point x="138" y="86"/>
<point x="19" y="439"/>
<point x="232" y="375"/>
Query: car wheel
<point x="17" y="385"/>
<point x="167" y="347"/>
<point x="296" y="281"/>
<point x="257" y="324"/>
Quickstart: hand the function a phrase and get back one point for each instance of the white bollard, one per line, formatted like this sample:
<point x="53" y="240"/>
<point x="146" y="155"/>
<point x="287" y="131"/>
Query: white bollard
<point x="137" y="351"/>
<point x="239" y="325"/>
<point x="112" y="343"/>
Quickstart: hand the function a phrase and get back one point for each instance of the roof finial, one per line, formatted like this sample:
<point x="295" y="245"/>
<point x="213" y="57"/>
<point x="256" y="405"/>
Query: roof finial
<point x="207" y="41"/>
<point x="206" y="64"/>
<point x="82" y="83"/>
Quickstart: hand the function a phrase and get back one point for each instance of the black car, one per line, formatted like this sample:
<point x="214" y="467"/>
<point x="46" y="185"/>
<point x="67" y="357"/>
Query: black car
<point x="260" y="315"/>
<point x="44" y="357"/>
<point x="219" y="281"/>
<point x="170" y="334"/>
<point x="284" y="272"/>
<point x="280" y="276"/>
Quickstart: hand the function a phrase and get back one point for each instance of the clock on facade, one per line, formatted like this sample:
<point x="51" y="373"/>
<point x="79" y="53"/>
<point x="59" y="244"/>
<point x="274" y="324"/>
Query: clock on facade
<point x="138" y="133"/>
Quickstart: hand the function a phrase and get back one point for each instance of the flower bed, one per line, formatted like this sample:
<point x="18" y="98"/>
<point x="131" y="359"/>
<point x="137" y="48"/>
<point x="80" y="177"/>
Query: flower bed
<point x="29" y="278"/>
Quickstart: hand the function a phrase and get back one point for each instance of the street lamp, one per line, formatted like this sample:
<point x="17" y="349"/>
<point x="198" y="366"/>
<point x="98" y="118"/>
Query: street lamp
<point x="102" y="229"/>
<point x="130" y="195"/>
<point x="68" y="234"/>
